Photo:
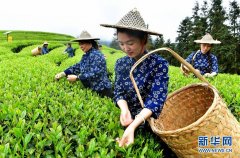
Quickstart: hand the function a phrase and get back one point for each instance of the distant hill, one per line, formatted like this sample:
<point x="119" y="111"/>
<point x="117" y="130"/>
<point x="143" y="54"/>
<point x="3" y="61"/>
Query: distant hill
<point x="107" y="43"/>
<point x="35" y="35"/>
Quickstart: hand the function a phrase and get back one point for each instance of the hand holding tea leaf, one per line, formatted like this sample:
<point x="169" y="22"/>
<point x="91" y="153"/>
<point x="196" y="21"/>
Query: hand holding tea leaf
<point x="127" y="138"/>
<point x="59" y="75"/>
<point x="128" y="135"/>
<point x="125" y="118"/>
<point x="71" y="78"/>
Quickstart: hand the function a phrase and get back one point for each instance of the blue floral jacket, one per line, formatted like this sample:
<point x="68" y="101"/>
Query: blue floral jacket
<point x="91" y="70"/>
<point x="44" y="50"/>
<point x="151" y="77"/>
<point x="70" y="51"/>
<point x="205" y="63"/>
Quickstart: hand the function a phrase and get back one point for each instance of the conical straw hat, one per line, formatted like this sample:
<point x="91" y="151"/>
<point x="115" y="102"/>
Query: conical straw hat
<point x="207" y="39"/>
<point x="133" y="21"/>
<point x="84" y="36"/>
<point x="45" y="43"/>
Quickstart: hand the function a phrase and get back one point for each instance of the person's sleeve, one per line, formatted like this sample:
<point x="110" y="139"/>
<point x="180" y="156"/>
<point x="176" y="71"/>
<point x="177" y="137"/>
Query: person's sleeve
<point x="97" y="67"/>
<point x="71" y="51"/>
<point x="214" y="64"/>
<point x="118" y="92"/>
<point x="75" y="69"/>
<point x="159" y="89"/>
<point x="189" y="58"/>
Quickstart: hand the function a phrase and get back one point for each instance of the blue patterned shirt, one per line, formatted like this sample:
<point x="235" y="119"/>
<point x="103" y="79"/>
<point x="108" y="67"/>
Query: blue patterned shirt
<point x="44" y="50"/>
<point x="151" y="77"/>
<point x="91" y="70"/>
<point x="205" y="63"/>
<point x="70" y="51"/>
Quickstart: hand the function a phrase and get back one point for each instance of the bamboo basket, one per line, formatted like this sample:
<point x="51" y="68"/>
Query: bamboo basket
<point x="192" y="111"/>
<point x="36" y="51"/>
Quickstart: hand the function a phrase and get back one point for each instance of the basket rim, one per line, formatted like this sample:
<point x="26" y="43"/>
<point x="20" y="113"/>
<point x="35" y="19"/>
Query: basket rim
<point x="194" y="124"/>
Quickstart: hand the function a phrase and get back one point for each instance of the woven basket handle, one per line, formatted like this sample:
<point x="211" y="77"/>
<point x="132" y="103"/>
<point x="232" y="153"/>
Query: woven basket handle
<point x="178" y="57"/>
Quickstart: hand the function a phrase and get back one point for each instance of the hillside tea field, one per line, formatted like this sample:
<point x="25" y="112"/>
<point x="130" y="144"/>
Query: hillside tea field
<point x="41" y="117"/>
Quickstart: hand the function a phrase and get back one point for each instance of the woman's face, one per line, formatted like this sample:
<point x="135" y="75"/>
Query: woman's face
<point x="85" y="46"/>
<point x="132" y="46"/>
<point x="205" y="47"/>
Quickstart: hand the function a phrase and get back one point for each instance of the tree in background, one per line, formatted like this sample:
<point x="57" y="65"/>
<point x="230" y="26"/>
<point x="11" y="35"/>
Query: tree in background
<point x="159" y="42"/>
<point x="234" y="20"/>
<point x="171" y="60"/>
<point x="197" y="29"/>
<point x="184" y="32"/>
<point x="150" y="45"/>
<point x="114" y="44"/>
<point x="219" y="30"/>
<point x="199" y="23"/>
<point x="204" y="16"/>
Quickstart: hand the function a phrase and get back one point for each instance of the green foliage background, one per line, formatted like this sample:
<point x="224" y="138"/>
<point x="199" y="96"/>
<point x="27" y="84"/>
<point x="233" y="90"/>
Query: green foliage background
<point x="41" y="117"/>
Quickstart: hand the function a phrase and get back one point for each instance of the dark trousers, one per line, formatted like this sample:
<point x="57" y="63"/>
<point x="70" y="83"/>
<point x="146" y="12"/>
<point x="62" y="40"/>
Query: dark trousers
<point x="103" y="93"/>
<point x="106" y="93"/>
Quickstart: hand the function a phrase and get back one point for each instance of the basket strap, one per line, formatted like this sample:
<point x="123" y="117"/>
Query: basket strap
<point x="178" y="57"/>
<point x="194" y="56"/>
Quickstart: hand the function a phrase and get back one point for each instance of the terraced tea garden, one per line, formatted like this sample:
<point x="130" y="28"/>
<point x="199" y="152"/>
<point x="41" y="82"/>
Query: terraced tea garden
<point x="41" y="117"/>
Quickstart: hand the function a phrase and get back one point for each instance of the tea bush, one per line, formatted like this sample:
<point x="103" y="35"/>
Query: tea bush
<point x="41" y="117"/>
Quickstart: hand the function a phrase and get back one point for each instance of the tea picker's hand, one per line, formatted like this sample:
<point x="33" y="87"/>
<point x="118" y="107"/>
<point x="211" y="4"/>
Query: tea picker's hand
<point x="210" y="74"/>
<point x="206" y="75"/>
<point x="125" y="117"/>
<point x="72" y="78"/>
<point x="59" y="75"/>
<point x="128" y="135"/>
<point x="127" y="138"/>
<point x="213" y="74"/>
<point x="184" y="70"/>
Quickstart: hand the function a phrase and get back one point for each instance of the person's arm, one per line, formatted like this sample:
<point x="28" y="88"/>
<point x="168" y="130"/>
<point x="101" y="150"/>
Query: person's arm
<point x="158" y="93"/>
<point x="183" y="68"/>
<point x="44" y="50"/>
<point x="152" y="105"/>
<point x="125" y="116"/>
<point x="214" y="66"/>
<point x="96" y="68"/>
<point x="120" y="95"/>
<point x="65" y="51"/>
<point x="72" y="52"/>
<point x="214" y="69"/>
<point x="128" y="136"/>
<point x="190" y="57"/>
<point x="75" y="69"/>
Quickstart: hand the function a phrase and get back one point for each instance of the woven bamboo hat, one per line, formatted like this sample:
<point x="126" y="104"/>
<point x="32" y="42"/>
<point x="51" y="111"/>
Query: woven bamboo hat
<point x="133" y="21"/>
<point x="85" y="36"/>
<point x="207" y="39"/>
<point x="45" y="43"/>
